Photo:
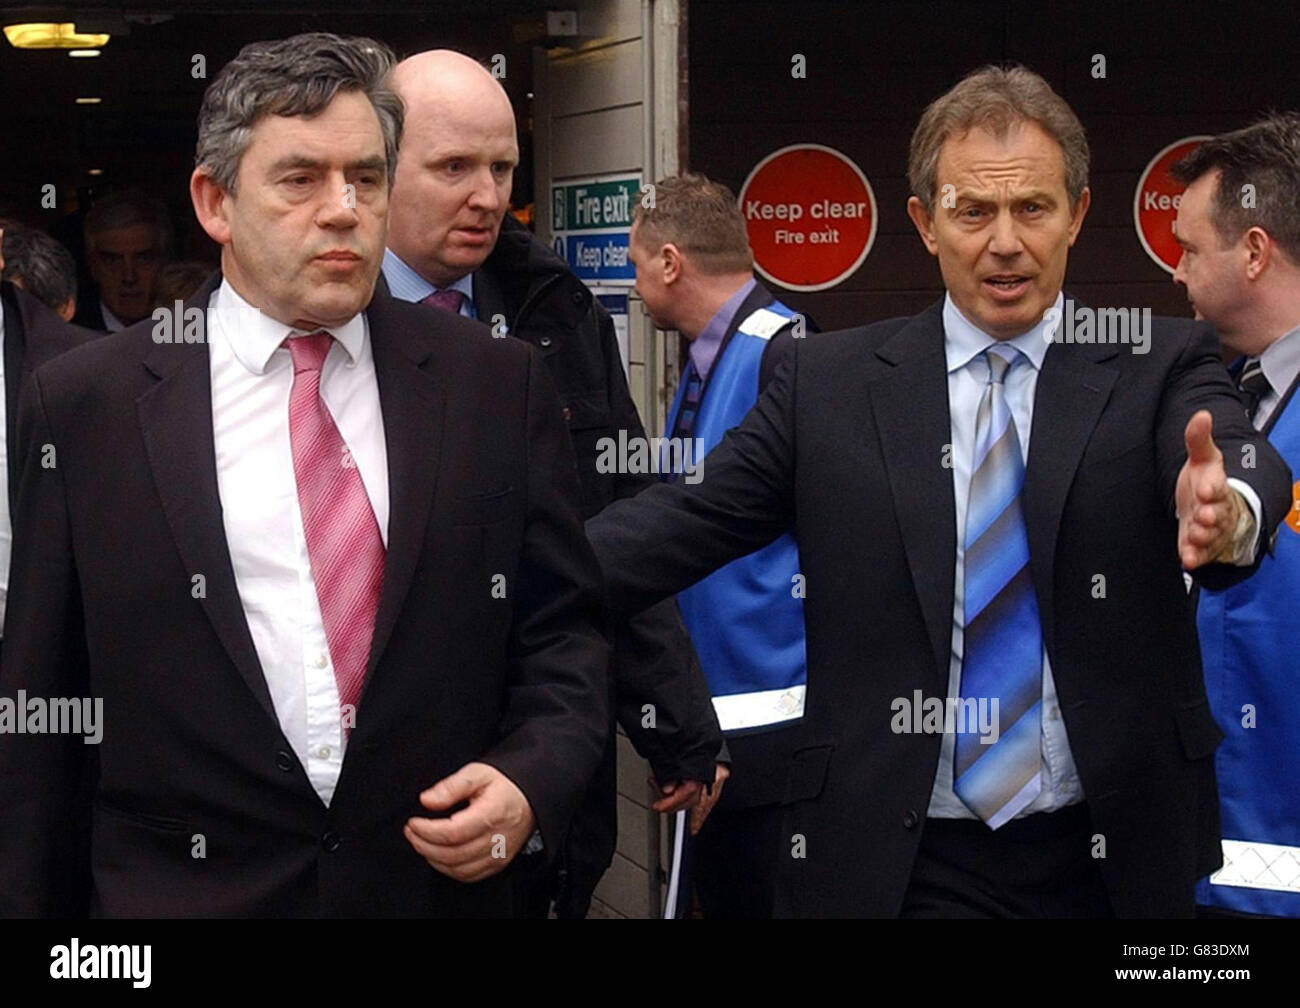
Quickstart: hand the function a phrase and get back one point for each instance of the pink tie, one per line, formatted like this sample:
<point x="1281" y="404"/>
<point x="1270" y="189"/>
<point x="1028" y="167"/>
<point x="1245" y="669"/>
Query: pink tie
<point x="448" y="300"/>
<point x="343" y="542"/>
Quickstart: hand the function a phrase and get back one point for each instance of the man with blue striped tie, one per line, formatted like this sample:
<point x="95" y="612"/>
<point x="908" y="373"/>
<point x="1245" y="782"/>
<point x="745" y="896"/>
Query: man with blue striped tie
<point x="1005" y="714"/>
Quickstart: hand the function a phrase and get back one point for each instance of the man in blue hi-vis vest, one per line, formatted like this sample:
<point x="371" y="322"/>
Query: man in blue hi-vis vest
<point x="1239" y="227"/>
<point x="694" y="271"/>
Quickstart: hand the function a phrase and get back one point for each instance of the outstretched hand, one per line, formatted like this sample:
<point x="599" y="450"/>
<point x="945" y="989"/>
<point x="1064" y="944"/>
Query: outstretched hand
<point x="1208" y="509"/>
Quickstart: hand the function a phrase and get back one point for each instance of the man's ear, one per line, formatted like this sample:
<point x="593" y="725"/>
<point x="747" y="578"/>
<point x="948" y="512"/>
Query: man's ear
<point x="670" y="257"/>
<point x="1079" y="212"/>
<point x="924" y="224"/>
<point x="210" y="206"/>
<point x="1259" y="251"/>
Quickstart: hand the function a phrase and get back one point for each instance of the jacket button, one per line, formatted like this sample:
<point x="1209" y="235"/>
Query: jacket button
<point x="330" y="841"/>
<point x="577" y="297"/>
<point x="567" y="413"/>
<point x="545" y="341"/>
<point x="284" y="761"/>
<point x="910" y="819"/>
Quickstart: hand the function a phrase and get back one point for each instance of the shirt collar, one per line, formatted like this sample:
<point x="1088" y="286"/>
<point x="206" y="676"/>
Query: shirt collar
<point x="963" y="340"/>
<point x="705" y="347"/>
<point x="111" y="322"/>
<point x="1281" y="361"/>
<point x="254" y="336"/>
<point x="408" y="285"/>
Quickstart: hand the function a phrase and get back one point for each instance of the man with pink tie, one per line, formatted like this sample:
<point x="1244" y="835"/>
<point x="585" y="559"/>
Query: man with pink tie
<point x="324" y="567"/>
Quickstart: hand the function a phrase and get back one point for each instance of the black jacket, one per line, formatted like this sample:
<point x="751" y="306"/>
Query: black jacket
<point x="107" y="542"/>
<point x="843" y="448"/>
<point x="534" y="293"/>
<point x="33" y="334"/>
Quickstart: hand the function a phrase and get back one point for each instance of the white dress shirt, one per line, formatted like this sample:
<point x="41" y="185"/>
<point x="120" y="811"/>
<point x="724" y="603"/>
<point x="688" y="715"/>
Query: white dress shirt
<point x="252" y="375"/>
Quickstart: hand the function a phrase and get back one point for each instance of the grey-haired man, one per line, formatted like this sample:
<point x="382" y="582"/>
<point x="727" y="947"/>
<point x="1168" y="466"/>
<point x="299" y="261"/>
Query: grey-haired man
<point x="318" y="552"/>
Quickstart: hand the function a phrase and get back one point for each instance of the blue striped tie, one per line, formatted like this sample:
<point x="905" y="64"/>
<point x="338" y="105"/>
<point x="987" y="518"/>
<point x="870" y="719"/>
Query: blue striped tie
<point x="1003" y="640"/>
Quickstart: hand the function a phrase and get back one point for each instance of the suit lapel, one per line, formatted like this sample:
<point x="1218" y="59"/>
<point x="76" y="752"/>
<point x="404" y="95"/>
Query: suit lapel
<point x="910" y="403"/>
<point x="1073" y="389"/>
<point x="412" y="401"/>
<point x="175" y="418"/>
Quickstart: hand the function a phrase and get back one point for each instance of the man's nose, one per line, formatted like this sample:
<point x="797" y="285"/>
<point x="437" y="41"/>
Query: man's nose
<point x="1005" y="237"/>
<point x="338" y="206"/>
<point x="1180" y="275"/>
<point x="130" y="270"/>
<point x="486" y="194"/>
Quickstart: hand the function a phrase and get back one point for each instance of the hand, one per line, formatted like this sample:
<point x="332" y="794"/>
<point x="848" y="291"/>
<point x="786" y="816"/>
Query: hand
<point x="1208" y="509"/>
<point x="707" y="801"/>
<point x="677" y="795"/>
<point x="480" y="839"/>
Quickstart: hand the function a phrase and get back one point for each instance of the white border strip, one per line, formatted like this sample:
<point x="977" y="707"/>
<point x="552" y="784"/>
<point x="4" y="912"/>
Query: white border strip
<point x="1259" y="866"/>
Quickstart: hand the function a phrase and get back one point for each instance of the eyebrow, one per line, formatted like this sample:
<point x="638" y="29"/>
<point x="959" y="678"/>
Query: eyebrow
<point x="1036" y="196"/>
<point x="298" y="161"/>
<point x="440" y="158"/>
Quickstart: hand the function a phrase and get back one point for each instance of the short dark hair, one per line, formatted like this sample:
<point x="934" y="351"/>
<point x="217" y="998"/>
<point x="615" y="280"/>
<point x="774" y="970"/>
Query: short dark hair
<point x="699" y="216"/>
<point x="996" y="98"/>
<point x="39" y="265"/>
<point x="1265" y="155"/>
<point x="297" y="76"/>
<point x="126" y="208"/>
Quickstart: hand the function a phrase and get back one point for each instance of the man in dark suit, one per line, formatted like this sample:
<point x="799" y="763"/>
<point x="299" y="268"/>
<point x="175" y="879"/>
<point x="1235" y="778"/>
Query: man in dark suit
<point x="41" y="266"/>
<point x="324" y="569"/>
<point x="32" y="334"/>
<point x="452" y="244"/>
<point x="1005" y="709"/>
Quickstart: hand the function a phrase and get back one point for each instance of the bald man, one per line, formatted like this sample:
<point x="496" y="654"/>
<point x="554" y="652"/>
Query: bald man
<point x="452" y="244"/>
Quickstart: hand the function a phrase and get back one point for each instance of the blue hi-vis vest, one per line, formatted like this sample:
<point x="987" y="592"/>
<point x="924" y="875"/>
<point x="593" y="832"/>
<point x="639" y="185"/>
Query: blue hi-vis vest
<point x="746" y="619"/>
<point x="1250" y="646"/>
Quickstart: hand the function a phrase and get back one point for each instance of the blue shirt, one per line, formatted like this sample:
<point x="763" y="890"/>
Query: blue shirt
<point x="705" y="347"/>
<point x="405" y="283"/>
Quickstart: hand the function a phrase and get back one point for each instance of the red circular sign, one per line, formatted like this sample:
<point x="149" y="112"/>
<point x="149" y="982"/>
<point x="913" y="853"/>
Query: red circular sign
<point x="1155" y="204"/>
<point x="811" y="216"/>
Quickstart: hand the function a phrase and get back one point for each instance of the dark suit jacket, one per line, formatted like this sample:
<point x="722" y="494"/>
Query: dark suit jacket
<point x="546" y="306"/>
<point x="33" y="334"/>
<point x="481" y="482"/>
<point x="90" y="312"/>
<point x="846" y="448"/>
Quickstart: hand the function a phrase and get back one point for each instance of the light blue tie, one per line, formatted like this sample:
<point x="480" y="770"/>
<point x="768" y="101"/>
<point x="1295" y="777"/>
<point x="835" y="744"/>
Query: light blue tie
<point x="1002" y="654"/>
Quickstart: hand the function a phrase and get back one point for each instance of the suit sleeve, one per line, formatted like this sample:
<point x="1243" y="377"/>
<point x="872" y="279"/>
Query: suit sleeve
<point x="556" y="717"/>
<point x="674" y="534"/>
<point x="1198" y="381"/>
<point x="779" y="349"/>
<point x="45" y="779"/>
<point x="660" y="694"/>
